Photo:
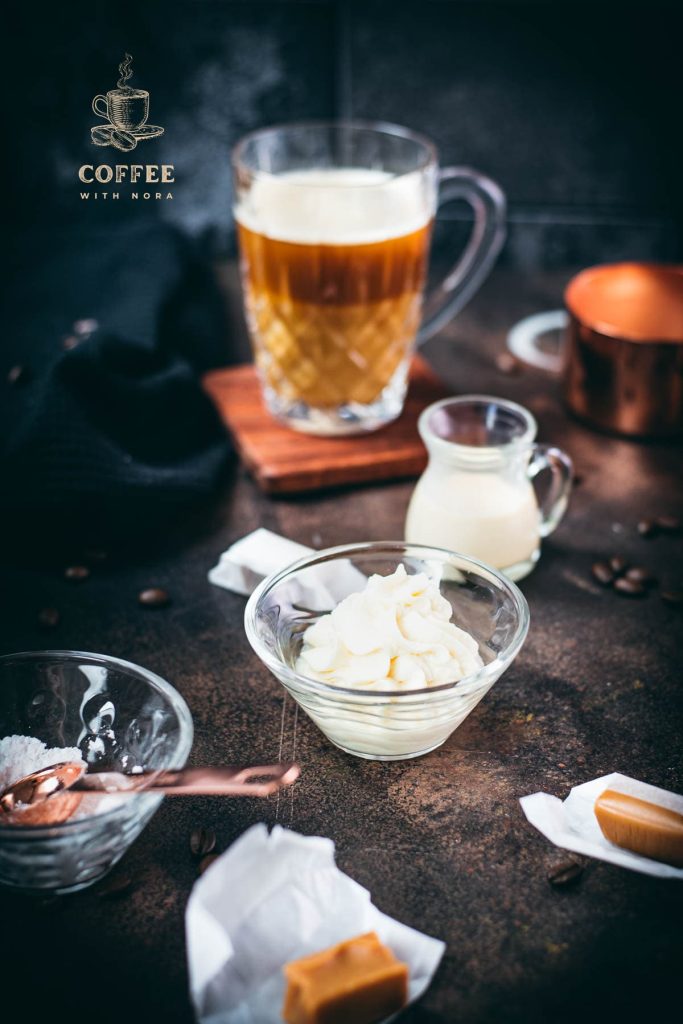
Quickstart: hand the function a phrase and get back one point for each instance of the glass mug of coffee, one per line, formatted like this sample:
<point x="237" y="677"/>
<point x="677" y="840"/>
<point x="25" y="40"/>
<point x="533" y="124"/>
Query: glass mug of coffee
<point x="334" y="222"/>
<point x="127" y="109"/>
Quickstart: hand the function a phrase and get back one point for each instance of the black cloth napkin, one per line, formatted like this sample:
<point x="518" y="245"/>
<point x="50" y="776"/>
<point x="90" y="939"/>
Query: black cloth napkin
<point x="107" y="419"/>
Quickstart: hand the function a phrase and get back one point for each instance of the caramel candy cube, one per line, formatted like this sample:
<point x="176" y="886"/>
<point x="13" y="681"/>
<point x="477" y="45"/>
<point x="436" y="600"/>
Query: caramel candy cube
<point x="358" y="981"/>
<point x="641" y="827"/>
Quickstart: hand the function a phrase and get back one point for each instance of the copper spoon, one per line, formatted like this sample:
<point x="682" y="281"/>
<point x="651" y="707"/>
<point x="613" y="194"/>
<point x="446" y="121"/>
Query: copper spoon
<point x="63" y="784"/>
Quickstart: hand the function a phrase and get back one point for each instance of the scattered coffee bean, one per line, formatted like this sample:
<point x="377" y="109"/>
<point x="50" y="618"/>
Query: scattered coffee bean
<point x="673" y="597"/>
<point x="95" y="554"/>
<point x="578" y="479"/>
<point x="629" y="588"/>
<point x="617" y="564"/>
<point x="77" y="573"/>
<point x="647" y="528"/>
<point x="85" y="326"/>
<point x="154" y="597"/>
<point x="116" y="887"/>
<point x="543" y="403"/>
<point x="603" y="573"/>
<point x="507" y="364"/>
<point x="669" y="524"/>
<point x="48" y="617"/>
<point x="639" y="574"/>
<point x="50" y="904"/>
<point x="70" y="342"/>
<point x="17" y="375"/>
<point x="202" y="841"/>
<point x="564" y="874"/>
<point x="206" y="862"/>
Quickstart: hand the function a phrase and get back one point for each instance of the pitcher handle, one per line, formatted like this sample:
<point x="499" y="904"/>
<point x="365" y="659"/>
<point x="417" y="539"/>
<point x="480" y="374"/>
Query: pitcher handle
<point x="554" y="505"/>
<point x="487" y="200"/>
<point x="101" y="113"/>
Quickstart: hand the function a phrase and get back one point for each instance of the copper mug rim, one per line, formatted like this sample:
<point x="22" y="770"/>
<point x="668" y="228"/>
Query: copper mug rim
<point x="626" y="379"/>
<point x="593" y="278"/>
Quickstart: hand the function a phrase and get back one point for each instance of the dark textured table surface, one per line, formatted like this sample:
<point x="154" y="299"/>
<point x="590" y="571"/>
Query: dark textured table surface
<point x="440" y="841"/>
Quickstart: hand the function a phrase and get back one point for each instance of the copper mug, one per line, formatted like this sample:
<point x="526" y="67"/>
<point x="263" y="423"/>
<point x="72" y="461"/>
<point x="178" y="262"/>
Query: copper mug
<point x="620" y="353"/>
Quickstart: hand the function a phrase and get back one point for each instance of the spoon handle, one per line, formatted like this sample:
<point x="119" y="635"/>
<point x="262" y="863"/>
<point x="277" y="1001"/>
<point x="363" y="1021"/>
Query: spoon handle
<point x="257" y="780"/>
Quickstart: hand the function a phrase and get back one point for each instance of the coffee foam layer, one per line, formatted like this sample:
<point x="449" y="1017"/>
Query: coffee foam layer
<point x="336" y="206"/>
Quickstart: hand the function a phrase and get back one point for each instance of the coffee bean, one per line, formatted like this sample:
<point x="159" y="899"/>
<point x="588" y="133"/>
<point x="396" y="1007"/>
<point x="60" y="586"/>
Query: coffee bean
<point x="85" y="326"/>
<point x="578" y="479"/>
<point x="206" y="862"/>
<point x="116" y="887"/>
<point x="154" y="597"/>
<point x="629" y="588"/>
<point x="51" y="904"/>
<point x="564" y="874"/>
<point x="669" y="524"/>
<point x="603" y="573"/>
<point x="507" y="364"/>
<point x="77" y="573"/>
<point x="95" y="554"/>
<point x="70" y="342"/>
<point x="542" y="404"/>
<point x="202" y="841"/>
<point x="48" y="617"/>
<point x="647" y="528"/>
<point x="617" y="564"/>
<point x="17" y="375"/>
<point x="672" y="597"/>
<point x="639" y="574"/>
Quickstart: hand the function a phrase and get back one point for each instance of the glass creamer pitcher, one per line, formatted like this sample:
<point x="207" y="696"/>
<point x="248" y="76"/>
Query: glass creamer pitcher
<point x="476" y="496"/>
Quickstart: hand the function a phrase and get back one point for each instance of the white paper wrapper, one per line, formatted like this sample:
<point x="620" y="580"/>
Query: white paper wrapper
<point x="260" y="554"/>
<point x="272" y="898"/>
<point x="573" y="826"/>
<point x="249" y="560"/>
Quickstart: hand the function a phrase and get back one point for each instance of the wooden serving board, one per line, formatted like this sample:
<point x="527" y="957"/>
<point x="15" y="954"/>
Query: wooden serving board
<point x="283" y="461"/>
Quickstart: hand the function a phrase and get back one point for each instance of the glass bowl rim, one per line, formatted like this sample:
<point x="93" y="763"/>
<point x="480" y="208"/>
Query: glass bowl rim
<point x="175" y="699"/>
<point x="279" y="668"/>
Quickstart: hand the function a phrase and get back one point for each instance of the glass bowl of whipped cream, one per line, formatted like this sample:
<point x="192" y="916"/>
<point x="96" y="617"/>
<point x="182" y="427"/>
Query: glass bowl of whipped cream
<point x="387" y="646"/>
<point x="58" y="706"/>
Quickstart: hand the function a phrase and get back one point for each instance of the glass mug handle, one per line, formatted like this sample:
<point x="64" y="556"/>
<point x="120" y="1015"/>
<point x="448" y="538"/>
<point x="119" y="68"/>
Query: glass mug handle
<point x="554" y="505"/>
<point x="486" y="240"/>
<point x="96" y="109"/>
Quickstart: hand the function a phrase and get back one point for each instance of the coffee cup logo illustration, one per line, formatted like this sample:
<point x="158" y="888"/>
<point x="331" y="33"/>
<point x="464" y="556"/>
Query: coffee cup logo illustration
<point x="126" y="111"/>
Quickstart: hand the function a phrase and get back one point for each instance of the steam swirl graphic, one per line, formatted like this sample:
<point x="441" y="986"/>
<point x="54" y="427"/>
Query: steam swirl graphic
<point x="125" y="72"/>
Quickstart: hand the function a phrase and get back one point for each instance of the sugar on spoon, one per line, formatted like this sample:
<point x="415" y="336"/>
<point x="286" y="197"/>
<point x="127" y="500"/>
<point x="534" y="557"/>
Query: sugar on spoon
<point x="51" y="795"/>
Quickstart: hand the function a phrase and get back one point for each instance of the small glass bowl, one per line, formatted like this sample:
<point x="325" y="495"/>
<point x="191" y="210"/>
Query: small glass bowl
<point x="386" y="725"/>
<point x="121" y="717"/>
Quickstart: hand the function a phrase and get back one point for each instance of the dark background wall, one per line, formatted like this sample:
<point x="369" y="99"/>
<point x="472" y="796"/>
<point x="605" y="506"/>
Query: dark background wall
<point x="574" y="108"/>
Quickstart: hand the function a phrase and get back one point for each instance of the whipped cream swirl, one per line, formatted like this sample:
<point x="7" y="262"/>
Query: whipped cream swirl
<point x="395" y="634"/>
